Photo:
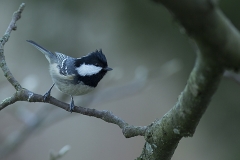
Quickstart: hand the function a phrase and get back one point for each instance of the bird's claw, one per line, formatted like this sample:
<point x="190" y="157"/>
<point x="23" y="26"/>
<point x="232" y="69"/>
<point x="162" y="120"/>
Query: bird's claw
<point x="71" y="105"/>
<point x="46" y="96"/>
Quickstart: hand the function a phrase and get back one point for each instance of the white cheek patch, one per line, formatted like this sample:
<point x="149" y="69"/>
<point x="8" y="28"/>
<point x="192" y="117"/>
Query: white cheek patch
<point x="88" y="69"/>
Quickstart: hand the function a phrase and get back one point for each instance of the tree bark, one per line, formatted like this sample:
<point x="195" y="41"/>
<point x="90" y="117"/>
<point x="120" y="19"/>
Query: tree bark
<point x="218" y="48"/>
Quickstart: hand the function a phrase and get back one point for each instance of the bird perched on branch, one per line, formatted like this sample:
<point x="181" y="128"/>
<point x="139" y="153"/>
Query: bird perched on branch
<point x="74" y="76"/>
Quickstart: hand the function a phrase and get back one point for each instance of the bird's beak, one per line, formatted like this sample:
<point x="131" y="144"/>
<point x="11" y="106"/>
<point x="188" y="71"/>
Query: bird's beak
<point x="107" y="69"/>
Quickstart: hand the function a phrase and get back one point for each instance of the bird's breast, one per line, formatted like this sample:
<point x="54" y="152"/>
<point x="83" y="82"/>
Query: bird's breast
<point x="74" y="90"/>
<point x="67" y="84"/>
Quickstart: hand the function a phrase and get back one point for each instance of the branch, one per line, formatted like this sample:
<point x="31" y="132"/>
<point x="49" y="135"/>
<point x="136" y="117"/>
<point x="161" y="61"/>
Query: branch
<point x="12" y="26"/>
<point x="107" y="116"/>
<point x="60" y="153"/>
<point x="231" y="75"/>
<point x="219" y="49"/>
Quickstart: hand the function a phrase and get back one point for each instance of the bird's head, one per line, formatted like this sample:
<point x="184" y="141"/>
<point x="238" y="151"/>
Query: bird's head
<point x="92" y="67"/>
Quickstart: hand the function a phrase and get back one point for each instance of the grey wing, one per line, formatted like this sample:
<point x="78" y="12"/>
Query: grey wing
<point x="65" y="64"/>
<point x="62" y="58"/>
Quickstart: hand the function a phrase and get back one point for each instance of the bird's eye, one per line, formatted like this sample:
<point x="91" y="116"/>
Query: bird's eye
<point x="96" y="64"/>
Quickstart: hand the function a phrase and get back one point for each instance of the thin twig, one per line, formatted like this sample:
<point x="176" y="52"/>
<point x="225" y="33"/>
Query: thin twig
<point x="12" y="26"/>
<point x="60" y="153"/>
<point x="232" y="75"/>
<point x="107" y="116"/>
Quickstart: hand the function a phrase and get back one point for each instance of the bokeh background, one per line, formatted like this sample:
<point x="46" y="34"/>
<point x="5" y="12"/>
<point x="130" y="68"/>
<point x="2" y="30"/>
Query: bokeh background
<point x="151" y="57"/>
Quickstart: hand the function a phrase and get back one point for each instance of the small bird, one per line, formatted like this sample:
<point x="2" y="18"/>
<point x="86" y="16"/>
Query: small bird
<point x="74" y="76"/>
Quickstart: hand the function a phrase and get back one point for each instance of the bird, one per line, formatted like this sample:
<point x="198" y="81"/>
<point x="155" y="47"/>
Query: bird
<point x="74" y="76"/>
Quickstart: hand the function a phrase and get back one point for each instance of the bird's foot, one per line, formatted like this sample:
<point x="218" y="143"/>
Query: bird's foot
<point x="71" y="105"/>
<point x="47" y="94"/>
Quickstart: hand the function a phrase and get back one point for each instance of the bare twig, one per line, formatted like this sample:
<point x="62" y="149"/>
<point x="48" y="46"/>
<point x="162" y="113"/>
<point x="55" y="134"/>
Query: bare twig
<point x="60" y="153"/>
<point x="232" y="75"/>
<point x="128" y="130"/>
<point x="107" y="116"/>
<point x="12" y="26"/>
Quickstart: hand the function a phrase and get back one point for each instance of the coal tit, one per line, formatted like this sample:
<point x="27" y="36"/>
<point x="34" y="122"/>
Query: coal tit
<point x="74" y="76"/>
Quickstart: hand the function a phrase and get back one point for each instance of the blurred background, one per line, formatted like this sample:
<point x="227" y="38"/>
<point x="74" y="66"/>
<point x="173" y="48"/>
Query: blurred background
<point x="151" y="59"/>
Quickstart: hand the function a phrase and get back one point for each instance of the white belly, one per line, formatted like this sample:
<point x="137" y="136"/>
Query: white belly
<point x="74" y="90"/>
<point x="64" y="86"/>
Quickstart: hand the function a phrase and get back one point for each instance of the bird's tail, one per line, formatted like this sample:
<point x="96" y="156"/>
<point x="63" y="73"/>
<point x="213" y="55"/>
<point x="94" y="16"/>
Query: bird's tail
<point x="48" y="54"/>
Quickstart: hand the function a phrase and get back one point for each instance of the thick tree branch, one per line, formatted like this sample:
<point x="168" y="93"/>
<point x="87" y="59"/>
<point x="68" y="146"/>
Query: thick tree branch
<point x="219" y="48"/>
<point x="209" y="27"/>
